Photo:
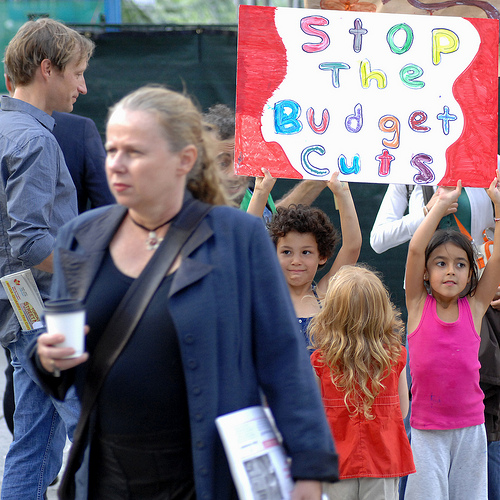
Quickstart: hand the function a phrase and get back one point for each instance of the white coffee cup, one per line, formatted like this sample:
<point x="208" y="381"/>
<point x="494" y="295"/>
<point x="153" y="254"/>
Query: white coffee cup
<point x="67" y="316"/>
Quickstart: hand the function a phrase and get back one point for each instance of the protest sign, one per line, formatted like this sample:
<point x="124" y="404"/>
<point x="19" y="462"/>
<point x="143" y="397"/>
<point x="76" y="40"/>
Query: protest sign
<point x="384" y="98"/>
<point x="461" y="8"/>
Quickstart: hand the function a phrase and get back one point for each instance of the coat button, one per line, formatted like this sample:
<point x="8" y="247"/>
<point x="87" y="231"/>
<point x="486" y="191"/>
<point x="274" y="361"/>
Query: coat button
<point x="196" y="391"/>
<point x="192" y="364"/>
<point x="198" y="417"/>
<point x="200" y="445"/>
<point x="189" y="339"/>
<point x="204" y="471"/>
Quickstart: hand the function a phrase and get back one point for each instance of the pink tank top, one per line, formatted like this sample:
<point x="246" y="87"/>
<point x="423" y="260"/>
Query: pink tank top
<point x="444" y="367"/>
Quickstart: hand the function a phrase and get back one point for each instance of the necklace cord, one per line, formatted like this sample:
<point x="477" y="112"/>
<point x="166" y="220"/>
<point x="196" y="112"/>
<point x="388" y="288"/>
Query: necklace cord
<point x="151" y="230"/>
<point x="153" y="240"/>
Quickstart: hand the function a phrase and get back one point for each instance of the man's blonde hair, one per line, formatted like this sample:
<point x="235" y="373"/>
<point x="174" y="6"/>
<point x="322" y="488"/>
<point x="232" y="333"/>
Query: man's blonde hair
<point x="43" y="39"/>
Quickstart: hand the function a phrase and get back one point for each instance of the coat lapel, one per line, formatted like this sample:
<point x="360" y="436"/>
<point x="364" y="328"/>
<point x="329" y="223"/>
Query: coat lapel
<point x="192" y="270"/>
<point x="91" y="239"/>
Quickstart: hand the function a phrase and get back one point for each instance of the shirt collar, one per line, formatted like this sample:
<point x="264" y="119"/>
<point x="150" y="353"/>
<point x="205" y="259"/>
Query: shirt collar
<point x="10" y="104"/>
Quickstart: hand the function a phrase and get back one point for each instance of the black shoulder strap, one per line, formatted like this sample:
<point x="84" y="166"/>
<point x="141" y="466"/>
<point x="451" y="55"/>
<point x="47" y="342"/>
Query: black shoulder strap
<point x="428" y="193"/>
<point x="123" y="323"/>
<point x="409" y="190"/>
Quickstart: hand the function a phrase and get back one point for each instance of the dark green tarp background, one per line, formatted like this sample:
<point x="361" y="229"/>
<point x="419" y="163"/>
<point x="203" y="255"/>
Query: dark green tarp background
<point x="203" y="61"/>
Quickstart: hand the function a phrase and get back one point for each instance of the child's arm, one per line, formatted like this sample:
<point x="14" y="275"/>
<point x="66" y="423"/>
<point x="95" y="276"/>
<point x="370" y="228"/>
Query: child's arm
<point x="261" y="192"/>
<point x="349" y="225"/>
<point x="490" y="279"/>
<point x="404" y="397"/>
<point x="415" y="263"/>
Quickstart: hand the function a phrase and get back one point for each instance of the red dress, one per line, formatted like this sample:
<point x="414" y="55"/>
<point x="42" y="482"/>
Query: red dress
<point x="368" y="448"/>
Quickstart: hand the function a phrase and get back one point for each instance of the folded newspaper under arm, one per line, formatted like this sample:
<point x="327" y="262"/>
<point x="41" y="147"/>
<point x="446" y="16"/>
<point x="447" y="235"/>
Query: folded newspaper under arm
<point x="258" y="462"/>
<point x="25" y="298"/>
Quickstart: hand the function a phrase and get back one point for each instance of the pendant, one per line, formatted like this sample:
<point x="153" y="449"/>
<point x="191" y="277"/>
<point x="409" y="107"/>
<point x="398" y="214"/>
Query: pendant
<point x="153" y="242"/>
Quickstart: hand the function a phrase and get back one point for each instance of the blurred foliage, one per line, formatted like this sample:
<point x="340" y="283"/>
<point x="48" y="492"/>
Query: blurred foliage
<point x="187" y="11"/>
<point x="179" y="12"/>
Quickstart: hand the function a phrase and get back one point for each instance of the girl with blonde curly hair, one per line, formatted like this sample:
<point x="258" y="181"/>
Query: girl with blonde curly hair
<point x="361" y="369"/>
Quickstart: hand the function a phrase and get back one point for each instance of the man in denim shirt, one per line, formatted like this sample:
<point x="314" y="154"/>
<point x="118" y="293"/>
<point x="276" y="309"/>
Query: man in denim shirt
<point x="45" y="61"/>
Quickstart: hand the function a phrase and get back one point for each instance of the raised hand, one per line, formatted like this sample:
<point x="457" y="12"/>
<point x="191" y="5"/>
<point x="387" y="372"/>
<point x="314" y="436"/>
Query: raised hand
<point x="265" y="183"/>
<point x="337" y="187"/>
<point x="494" y="189"/>
<point x="447" y="196"/>
<point x="452" y="208"/>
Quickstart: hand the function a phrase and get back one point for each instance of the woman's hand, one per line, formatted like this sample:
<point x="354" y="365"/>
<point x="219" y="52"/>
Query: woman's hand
<point x="52" y="358"/>
<point x="338" y="188"/>
<point x="307" y="490"/>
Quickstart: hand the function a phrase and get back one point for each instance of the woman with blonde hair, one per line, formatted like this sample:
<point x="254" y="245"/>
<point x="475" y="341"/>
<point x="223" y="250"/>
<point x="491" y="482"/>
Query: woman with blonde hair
<point x="200" y="347"/>
<point x="361" y="369"/>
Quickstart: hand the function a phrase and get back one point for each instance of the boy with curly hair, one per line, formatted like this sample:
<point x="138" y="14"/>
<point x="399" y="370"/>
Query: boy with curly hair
<point x="305" y="239"/>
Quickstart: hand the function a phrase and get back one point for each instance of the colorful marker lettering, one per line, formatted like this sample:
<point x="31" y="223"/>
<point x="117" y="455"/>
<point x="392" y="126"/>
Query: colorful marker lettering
<point x="349" y="169"/>
<point x="306" y="25"/>
<point x="367" y="74"/>
<point x="416" y="119"/>
<point x="286" y="114"/>
<point x="334" y="67"/>
<point x="358" y="31"/>
<point x="389" y="123"/>
<point x="325" y="121"/>
<point x="443" y="42"/>
<point x="354" y="122"/>
<point x="306" y="164"/>
<point x="408" y="40"/>
<point x="409" y="75"/>
<point x="446" y="118"/>
<point x="385" y="159"/>
<point x="421" y="162"/>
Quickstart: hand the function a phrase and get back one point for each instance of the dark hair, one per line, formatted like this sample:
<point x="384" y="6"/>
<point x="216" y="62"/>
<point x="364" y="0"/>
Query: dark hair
<point x="442" y="236"/>
<point x="220" y="119"/>
<point x="304" y="219"/>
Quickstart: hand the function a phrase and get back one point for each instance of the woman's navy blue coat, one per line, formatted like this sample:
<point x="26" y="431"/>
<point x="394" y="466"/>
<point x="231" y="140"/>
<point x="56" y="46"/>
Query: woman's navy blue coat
<point x="237" y="333"/>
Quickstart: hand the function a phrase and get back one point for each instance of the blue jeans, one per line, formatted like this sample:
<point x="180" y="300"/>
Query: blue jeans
<point x="40" y="427"/>
<point x="494" y="470"/>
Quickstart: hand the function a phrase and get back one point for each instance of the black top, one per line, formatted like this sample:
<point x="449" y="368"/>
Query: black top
<point x="144" y="391"/>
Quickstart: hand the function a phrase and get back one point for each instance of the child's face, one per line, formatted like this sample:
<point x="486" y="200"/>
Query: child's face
<point x="448" y="270"/>
<point x="299" y="257"/>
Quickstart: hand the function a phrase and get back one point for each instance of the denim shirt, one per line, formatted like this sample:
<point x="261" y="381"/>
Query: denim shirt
<point x="37" y="196"/>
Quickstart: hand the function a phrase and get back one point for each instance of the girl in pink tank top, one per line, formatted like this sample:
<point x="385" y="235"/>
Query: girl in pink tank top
<point x="446" y="302"/>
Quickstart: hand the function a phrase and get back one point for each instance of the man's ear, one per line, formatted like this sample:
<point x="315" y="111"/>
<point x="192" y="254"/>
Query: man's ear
<point x="46" y="68"/>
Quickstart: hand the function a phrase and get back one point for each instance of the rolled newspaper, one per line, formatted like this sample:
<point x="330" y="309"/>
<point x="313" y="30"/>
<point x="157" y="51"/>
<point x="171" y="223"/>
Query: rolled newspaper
<point x="25" y="298"/>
